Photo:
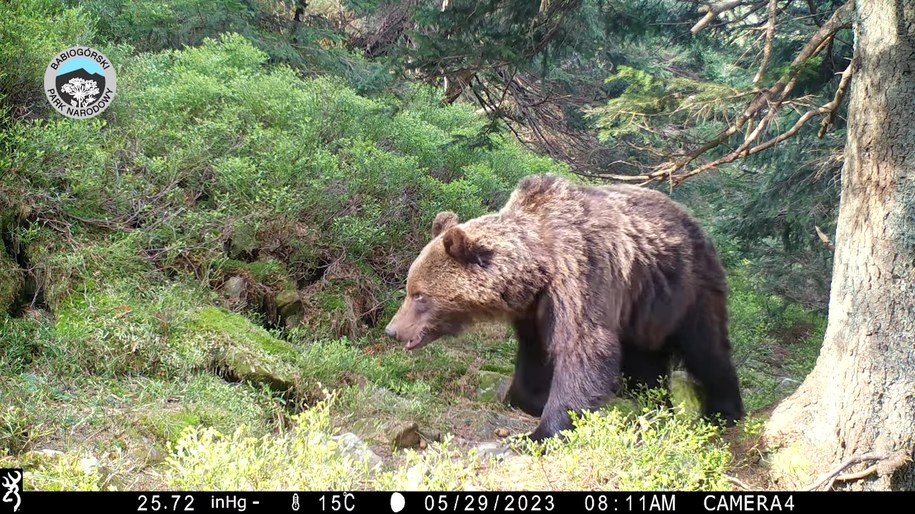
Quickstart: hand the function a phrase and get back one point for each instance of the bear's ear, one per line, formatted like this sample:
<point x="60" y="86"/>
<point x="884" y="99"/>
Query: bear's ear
<point x="443" y="221"/>
<point x="463" y="250"/>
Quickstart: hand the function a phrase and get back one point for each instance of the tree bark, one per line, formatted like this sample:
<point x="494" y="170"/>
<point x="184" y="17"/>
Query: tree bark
<point x="860" y="397"/>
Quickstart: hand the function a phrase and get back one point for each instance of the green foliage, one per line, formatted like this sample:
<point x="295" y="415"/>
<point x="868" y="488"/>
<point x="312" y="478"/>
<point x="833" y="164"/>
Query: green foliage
<point x="304" y="458"/>
<point x="62" y="472"/>
<point x="31" y="34"/>
<point x="651" y="449"/>
<point x="128" y="328"/>
<point x="305" y="167"/>
<point x="15" y="424"/>
<point x="20" y="340"/>
<point x="151" y="26"/>
<point x="209" y="401"/>
<point x="774" y="342"/>
<point x="646" y="96"/>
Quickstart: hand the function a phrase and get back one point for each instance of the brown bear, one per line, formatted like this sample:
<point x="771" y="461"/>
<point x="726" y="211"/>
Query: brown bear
<point x="598" y="282"/>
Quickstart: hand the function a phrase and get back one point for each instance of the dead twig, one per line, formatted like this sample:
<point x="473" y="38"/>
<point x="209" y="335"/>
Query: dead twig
<point x="894" y="460"/>
<point x="823" y="237"/>
<point x="738" y="482"/>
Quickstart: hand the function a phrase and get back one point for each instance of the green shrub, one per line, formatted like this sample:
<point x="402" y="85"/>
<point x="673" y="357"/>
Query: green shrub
<point x="32" y="32"/>
<point x="774" y="343"/>
<point x="440" y="467"/>
<point x="656" y="449"/>
<point x="63" y="472"/>
<point x="304" y="458"/>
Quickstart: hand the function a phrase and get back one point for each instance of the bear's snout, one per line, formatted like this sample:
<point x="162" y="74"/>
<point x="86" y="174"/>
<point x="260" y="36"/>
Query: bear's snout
<point x="390" y="332"/>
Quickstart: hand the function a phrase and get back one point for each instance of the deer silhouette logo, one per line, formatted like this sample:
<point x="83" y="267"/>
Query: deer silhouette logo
<point x="11" y="482"/>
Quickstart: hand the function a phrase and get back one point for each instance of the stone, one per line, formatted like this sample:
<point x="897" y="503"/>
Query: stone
<point x="235" y="289"/>
<point x="289" y="304"/>
<point x="493" y="387"/>
<point x="350" y="444"/>
<point x="494" y="449"/>
<point x="244" y="240"/>
<point x="406" y="436"/>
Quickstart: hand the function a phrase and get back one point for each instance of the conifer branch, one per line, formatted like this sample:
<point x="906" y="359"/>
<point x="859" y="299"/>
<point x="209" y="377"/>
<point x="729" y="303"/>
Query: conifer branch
<point x="768" y="100"/>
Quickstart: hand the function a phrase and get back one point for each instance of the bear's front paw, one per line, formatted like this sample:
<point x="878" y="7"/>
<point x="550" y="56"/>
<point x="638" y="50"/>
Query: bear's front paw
<point x="535" y="443"/>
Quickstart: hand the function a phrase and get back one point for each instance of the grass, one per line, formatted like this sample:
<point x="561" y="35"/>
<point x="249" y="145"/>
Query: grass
<point x="656" y="449"/>
<point x="775" y="343"/>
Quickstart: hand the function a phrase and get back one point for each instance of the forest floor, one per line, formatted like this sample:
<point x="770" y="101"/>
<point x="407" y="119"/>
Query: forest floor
<point x="427" y="419"/>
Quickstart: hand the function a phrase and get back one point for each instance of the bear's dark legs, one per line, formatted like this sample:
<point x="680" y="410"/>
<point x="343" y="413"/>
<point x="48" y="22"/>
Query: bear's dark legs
<point x="530" y="386"/>
<point x="645" y="369"/>
<point x="580" y="382"/>
<point x="702" y="341"/>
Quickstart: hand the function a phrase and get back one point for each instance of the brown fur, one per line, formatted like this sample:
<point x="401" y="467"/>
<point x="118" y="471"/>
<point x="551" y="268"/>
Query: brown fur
<point x="597" y="281"/>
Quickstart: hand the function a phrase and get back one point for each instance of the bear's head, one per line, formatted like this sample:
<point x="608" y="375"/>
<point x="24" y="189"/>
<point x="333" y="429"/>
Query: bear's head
<point x="486" y="268"/>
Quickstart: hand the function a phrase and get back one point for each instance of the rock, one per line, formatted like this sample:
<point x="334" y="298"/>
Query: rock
<point x="288" y="303"/>
<point x="493" y="387"/>
<point x="47" y="452"/>
<point x="350" y="444"/>
<point x="253" y="366"/>
<point x="406" y="436"/>
<point x="154" y="455"/>
<point x="415" y="477"/>
<point x="89" y="464"/>
<point x="235" y="289"/>
<point x="146" y="453"/>
<point x="501" y="432"/>
<point x="493" y="449"/>
<point x="289" y="307"/>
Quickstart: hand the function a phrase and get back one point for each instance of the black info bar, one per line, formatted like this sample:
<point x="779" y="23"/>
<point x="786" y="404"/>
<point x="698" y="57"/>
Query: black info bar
<point x="415" y="502"/>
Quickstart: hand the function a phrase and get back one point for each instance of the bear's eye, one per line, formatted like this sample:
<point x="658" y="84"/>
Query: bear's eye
<point x="418" y="297"/>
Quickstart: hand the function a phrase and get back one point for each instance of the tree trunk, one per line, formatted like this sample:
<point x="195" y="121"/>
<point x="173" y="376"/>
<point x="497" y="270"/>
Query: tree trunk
<point x="860" y="397"/>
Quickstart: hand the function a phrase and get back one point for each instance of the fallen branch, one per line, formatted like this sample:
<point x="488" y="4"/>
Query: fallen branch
<point x="836" y="99"/>
<point x="894" y="460"/>
<point x="738" y="482"/>
<point x="852" y="476"/>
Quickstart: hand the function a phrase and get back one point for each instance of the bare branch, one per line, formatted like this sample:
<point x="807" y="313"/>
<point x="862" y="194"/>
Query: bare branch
<point x="896" y="459"/>
<point x="836" y="99"/>
<point x="738" y="482"/>
<point x="769" y="98"/>
<point x="713" y="10"/>
<point x="829" y="108"/>
<point x="770" y="37"/>
<point x="812" y="6"/>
